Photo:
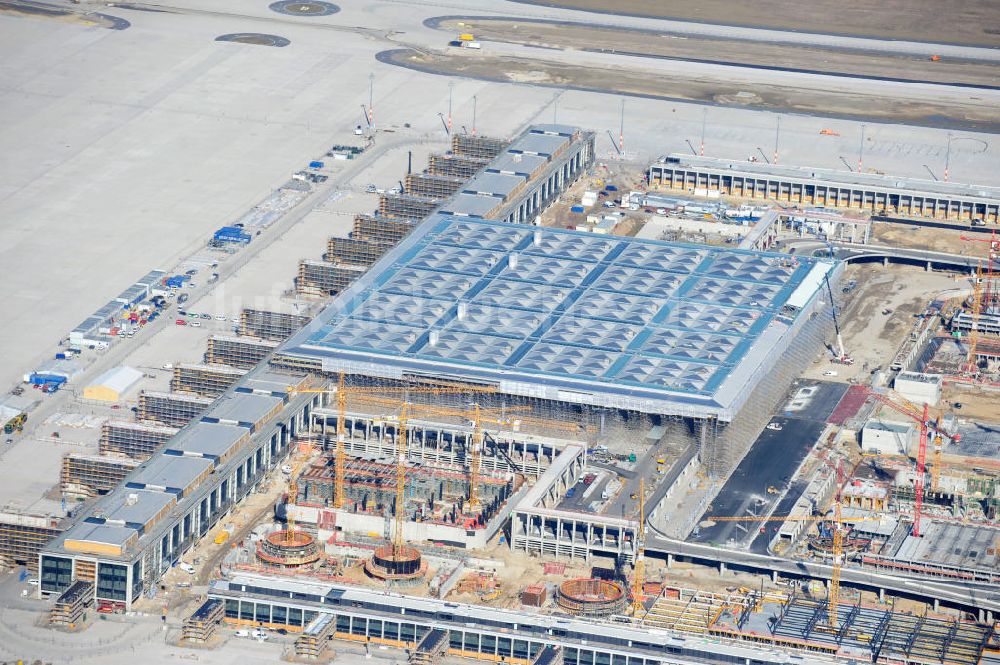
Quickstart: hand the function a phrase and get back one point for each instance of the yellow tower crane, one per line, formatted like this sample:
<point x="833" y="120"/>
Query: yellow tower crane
<point x="478" y="416"/>
<point x="342" y="393"/>
<point x="639" y="579"/>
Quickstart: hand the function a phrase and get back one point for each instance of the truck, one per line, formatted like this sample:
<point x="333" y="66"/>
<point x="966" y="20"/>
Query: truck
<point x="589" y="478"/>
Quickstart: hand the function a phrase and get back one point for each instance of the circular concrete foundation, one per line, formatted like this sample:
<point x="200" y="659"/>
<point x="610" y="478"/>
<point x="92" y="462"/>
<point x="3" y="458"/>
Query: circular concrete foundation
<point x="288" y="549"/>
<point x="405" y="564"/>
<point x="591" y="597"/>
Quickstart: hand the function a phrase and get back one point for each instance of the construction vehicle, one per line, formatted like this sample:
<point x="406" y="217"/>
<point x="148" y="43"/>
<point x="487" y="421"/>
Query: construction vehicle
<point x="828" y="132"/>
<point x="15" y="423"/>
<point x="840" y="355"/>
<point x="935" y="58"/>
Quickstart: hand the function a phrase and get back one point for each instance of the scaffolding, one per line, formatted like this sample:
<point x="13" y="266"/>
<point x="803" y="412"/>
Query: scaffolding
<point x="319" y="278"/>
<point x="88" y="475"/>
<point x="277" y="326"/>
<point x="201" y="626"/>
<point x="355" y="252"/>
<point x="406" y="206"/>
<point x="316" y="636"/>
<point x="174" y="409"/>
<point x="456" y="166"/>
<point x="69" y="606"/>
<point x="382" y="230"/>
<point x="478" y="147"/>
<point x="204" y="380"/>
<point x="437" y="186"/>
<point x="136" y="440"/>
<point x="244" y="352"/>
<point x="22" y="537"/>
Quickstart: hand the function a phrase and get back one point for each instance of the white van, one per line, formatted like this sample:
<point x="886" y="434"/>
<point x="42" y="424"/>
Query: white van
<point x="187" y="568"/>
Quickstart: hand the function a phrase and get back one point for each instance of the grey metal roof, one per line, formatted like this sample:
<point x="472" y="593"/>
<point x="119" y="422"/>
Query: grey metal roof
<point x="175" y="473"/>
<point x="240" y="407"/>
<point x="518" y="163"/>
<point x="151" y="278"/>
<point x="537" y="143"/>
<point x="496" y="184"/>
<point x="471" y="205"/>
<point x="266" y="381"/>
<point x="212" y="440"/>
<point x="562" y="313"/>
<point x="109" y="534"/>
<point x="146" y="505"/>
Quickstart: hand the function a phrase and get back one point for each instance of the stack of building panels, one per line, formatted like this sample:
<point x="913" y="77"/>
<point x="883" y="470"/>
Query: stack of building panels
<point x="478" y="147"/>
<point x="382" y="230"/>
<point x="174" y="409"/>
<point x="137" y="440"/>
<point x="270" y="325"/>
<point x="205" y="380"/>
<point x="355" y="252"/>
<point x="327" y="279"/>
<point x="87" y="475"/>
<point x="245" y="352"/>
<point x="456" y="166"/>
<point x="406" y="206"/>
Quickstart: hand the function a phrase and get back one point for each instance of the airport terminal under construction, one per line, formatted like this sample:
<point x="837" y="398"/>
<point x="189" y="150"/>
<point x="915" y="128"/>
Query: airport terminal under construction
<point x="498" y="439"/>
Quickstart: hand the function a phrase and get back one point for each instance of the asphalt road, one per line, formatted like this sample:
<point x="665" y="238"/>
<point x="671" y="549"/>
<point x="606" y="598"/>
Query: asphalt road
<point x="771" y="463"/>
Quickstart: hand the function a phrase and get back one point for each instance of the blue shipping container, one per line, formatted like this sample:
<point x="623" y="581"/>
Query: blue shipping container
<point x="232" y="234"/>
<point x="576" y="209"/>
<point x="60" y="356"/>
<point x="315" y="165"/>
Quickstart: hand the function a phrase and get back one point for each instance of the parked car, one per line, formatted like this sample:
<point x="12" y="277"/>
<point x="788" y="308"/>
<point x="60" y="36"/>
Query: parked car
<point x="196" y="324"/>
<point x="181" y="322"/>
<point x="207" y="316"/>
<point x="187" y="568"/>
<point x="220" y="317"/>
<point x="774" y="427"/>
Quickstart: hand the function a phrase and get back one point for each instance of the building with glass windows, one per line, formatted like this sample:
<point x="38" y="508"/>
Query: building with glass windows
<point x="383" y="618"/>
<point x="126" y="541"/>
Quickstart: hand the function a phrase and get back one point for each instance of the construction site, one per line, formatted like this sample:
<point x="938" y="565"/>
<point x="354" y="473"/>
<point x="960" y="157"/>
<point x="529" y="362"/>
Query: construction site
<point x="623" y="439"/>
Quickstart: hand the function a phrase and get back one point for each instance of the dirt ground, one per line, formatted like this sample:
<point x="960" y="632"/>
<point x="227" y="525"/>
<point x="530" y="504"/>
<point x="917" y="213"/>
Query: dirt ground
<point x="977" y="404"/>
<point x="922" y="237"/>
<point x="681" y="86"/>
<point x="870" y="336"/>
<point x="659" y="45"/>
<point x="974" y="22"/>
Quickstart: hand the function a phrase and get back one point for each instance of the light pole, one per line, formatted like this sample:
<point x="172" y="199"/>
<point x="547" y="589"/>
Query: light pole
<point x="947" y="157"/>
<point x="473" y="115"/>
<point x="861" y="149"/>
<point x="371" y="101"/>
<point x="777" y="134"/>
<point x="451" y="87"/>
<point x="704" y="120"/>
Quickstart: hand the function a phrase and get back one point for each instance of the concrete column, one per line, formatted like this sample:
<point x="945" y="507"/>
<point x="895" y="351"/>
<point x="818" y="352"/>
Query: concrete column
<point x="881" y="595"/>
<point x="937" y="605"/>
<point x="722" y="568"/>
<point x="885" y="261"/>
<point x="928" y="266"/>
<point x="670" y="561"/>
<point x="774" y="577"/>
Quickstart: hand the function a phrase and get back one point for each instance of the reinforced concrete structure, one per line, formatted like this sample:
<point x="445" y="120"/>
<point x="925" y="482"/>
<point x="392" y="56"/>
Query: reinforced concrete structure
<point x="204" y="380"/>
<point x="126" y="540"/>
<point x="406" y="206"/>
<point x="136" y="440"/>
<point x="878" y="194"/>
<point x="87" y="475"/>
<point x="276" y="326"/>
<point x="382" y="230"/>
<point x="244" y="352"/>
<point x="201" y="626"/>
<point x="319" y="278"/>
<point x="68" y="608"/>
<point x="23" y="535"/>
<point x="354" y="252"/>
<point x="174" y="409"/>
<point x="427" y="184"/>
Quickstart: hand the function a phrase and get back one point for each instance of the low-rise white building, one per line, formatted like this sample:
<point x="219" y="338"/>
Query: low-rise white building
<point x="919" y="388"/>
<point x="886" y="438"/>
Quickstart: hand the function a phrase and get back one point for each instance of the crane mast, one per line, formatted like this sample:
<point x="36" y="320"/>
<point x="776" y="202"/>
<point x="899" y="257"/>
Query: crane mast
<point x="638" y="580"/>
<point x="400" y="512"/>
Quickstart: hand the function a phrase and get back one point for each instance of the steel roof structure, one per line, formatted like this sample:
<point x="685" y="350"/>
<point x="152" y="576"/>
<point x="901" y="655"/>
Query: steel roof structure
<point x="642" y="325"/>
